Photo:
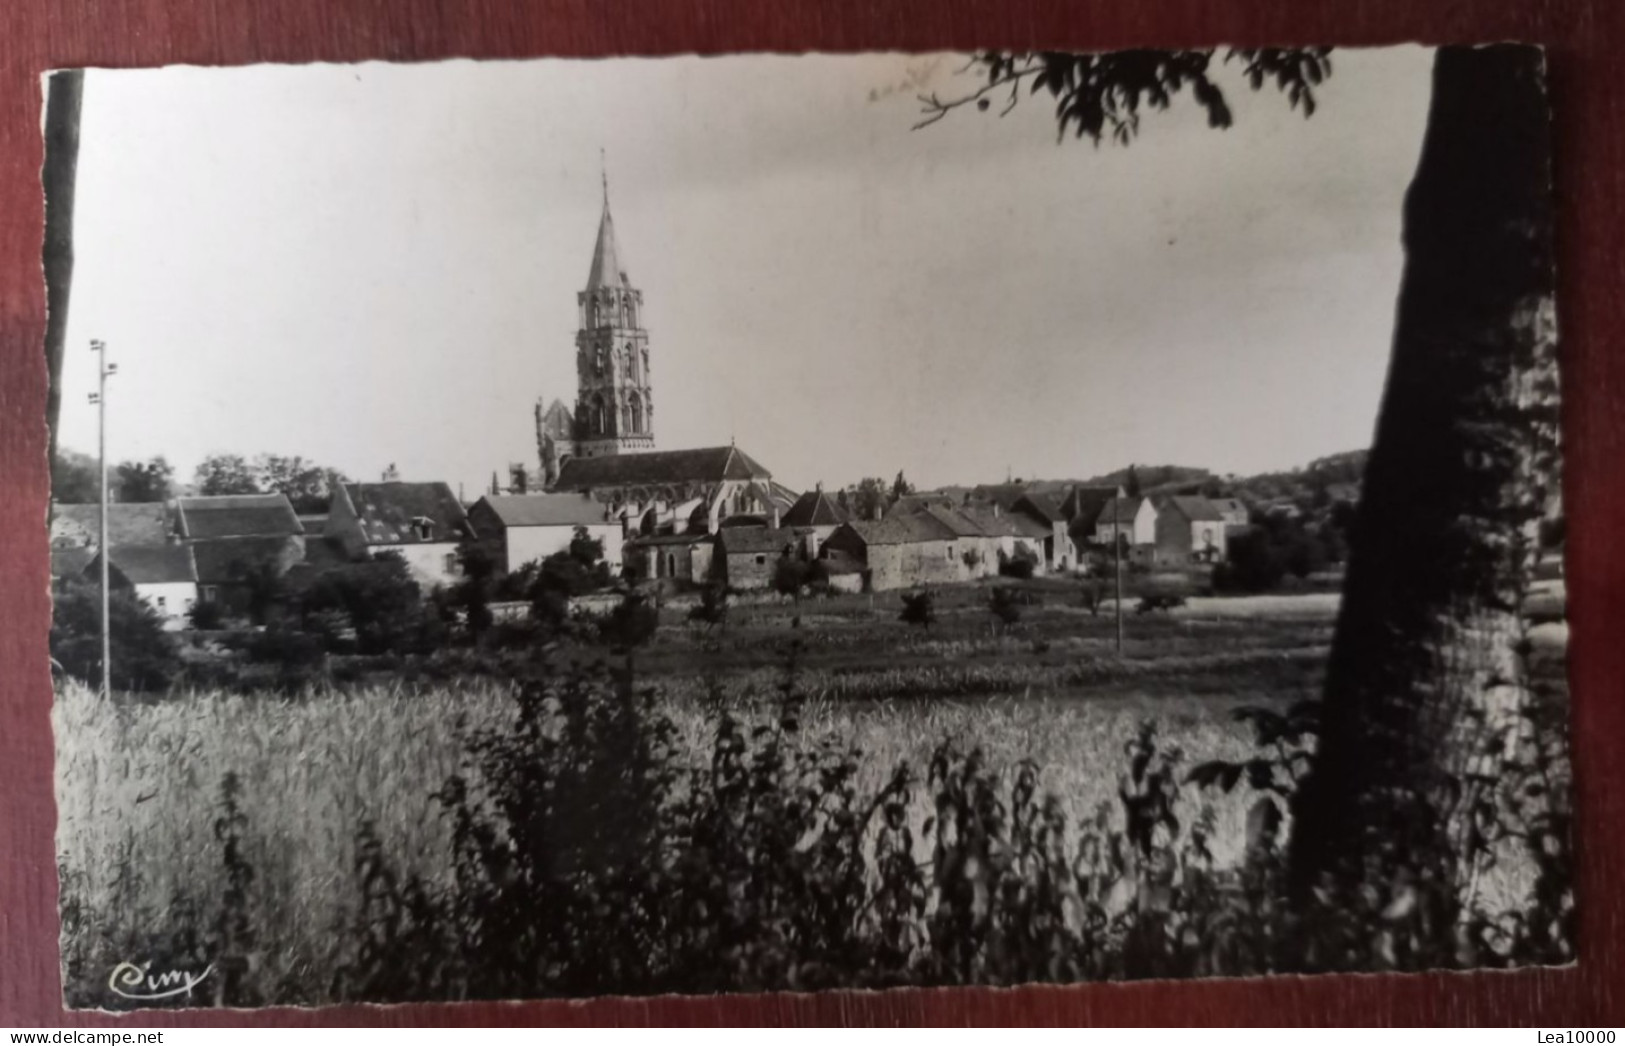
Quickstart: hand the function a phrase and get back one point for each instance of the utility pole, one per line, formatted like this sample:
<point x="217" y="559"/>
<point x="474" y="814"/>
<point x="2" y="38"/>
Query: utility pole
<point x="1117" y="569"/>
<point x="104" y="370"/>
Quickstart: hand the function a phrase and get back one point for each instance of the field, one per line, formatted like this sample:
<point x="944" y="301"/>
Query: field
<point x="140" y="783"/>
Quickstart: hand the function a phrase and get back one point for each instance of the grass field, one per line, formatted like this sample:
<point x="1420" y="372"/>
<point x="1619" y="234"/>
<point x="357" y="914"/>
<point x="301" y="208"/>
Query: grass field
<point x="139" y="783"/>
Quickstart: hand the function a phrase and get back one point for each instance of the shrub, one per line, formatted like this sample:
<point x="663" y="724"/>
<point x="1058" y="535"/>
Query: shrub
<point x="383" y="603"/>
<point x="712" y="609"/>
<point x="919" y="608"/>
<point x="1021" y="564"/>
<point x="1002" y="604"/>
<point x="143" y="654"/>
<point x="1158" y="601"/>
<point x="1254" y="564"/>
<point x="206" y="615"/>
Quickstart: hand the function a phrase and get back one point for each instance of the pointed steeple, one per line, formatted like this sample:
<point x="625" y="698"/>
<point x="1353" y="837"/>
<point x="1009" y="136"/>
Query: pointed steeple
<point x="606" y="256"/>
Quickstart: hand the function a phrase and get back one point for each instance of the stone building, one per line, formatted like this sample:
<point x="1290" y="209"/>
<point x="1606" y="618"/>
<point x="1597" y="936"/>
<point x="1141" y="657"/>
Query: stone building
<point x="614" y="411"/>
<point x="747" y="558"/>
<point x="678" y="491"/>
<point x="1189" y="529"/>
<point x="527" y="528"/>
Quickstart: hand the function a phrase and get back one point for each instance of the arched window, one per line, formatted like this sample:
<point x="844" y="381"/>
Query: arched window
<point x="634" y="411"/>
<point x="599" y="421"/>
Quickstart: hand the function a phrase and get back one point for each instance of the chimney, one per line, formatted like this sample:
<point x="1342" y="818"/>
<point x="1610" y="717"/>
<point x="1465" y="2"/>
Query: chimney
<point x="775" y="515"/>
<point x="995" y="510"/>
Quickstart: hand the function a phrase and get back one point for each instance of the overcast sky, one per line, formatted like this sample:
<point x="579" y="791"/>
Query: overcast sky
<point x="378" y="264"/>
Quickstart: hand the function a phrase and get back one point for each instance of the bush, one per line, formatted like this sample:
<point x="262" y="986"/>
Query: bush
<point x="206" y="616"/>
<point x="1021" y="564"/>
<point x="919" y="608"/>
<point x="712" y="609"/>
<point x="143" y="654"/>
<point x="631" y="624"/>
<point x="382" y="602"/>
<point x="1155" y="601"/>
<point x="1254" y="564"/>
<point x="1003" y="605"/>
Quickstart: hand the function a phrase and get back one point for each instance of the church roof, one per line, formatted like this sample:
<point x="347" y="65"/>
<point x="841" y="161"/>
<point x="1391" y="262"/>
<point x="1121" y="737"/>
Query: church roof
<point x="655" y="467"/>
<point x="606" y="272"/>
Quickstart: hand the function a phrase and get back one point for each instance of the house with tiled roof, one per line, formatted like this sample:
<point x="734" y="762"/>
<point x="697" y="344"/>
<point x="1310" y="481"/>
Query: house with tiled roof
<point x="904" y="550"/>
<point x="1233" y="510"/>
<point x="128" y="523"/>
<point x="527" y="528"/>
<point x="685" y="557"/>
<point x="1129" y="519"/>
<point x="163" y="576"/>
<point x="1189" y="529"/>
<point x="203" y="518"/>
<point x="423" y="523"/>
<point x="1057" y="551"/>
<point x="747" y="557"/>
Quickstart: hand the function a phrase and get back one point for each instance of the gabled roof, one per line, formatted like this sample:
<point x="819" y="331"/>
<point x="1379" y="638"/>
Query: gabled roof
<point x="1004" y="495"/>
<point x="151" y="564"/>
<point x="128" y="523"/>
<point x="815" y="509"/>
<point x="227" y="560"/>
<point x="1125" y="509"/>
<point x="1195" y="508"/>
<point x="659" y="467"/>
<point x="739" y="540"/>
<point x="1083" y="504"/>
<point x="557" y="421"/>
<point x="237" y="515"/>
<point x="388" y="512"/>
<point x="955" y="522"/>
<point x="997" y="523"/>
<point x="545" y="510"/>
<point x="906" y="529"/>
<point x="1045" y="508"/>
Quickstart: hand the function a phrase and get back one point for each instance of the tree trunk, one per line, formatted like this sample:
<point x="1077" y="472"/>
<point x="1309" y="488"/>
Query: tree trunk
<point x="62" y="105"/>
<point x="1427" y="677"/>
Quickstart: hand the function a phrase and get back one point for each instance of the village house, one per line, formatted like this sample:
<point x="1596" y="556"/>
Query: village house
<point x="1189" y="529"/>
<point x="527" y="528"/>
<point x="1233" y="512"/>
<point x="163" y="576"/>
<point x="1128" y="517"/>
<point x="747" y="558"/>
<point x="424" y="523"/>
<point x="1058" y="553"/>
<point x="817" y="513"/>
<point x="903" y="550"/>
<point x="208" y="518"/>
<point x="230" y="569"/>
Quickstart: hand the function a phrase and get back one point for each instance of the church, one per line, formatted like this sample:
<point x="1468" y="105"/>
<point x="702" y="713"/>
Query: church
<point x="605" y="448"/>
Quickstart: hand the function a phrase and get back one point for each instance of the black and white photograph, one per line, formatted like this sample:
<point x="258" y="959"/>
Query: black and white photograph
<point x="563" y="528"/>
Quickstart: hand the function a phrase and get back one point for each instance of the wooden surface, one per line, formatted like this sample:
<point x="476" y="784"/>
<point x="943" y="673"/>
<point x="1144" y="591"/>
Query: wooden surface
<point x="1586" y="41"/>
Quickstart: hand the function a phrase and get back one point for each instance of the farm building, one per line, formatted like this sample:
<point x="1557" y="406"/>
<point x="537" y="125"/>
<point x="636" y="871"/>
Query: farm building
<point x="905" y="550"/>
<point x="1235" y="513"/>
<point x="164" y="576"/>
<point x="1046" y="510"/>
<point x="526" y="528"/>
<point x="423" y="522"/>
<point x="1135" y="518"/>
<point x="746" y="557"/>
<point x="228" y="569"/>
<point x="1189" y="530"/>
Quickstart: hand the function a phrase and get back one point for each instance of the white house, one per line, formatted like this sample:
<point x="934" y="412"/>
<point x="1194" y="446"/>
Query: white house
<point x="424" y="523"/>
<point x="164" y="576"/>
<point x="1189" y="529"/>
<point x="1135" y="518"/>
<point x="526" y="528"/>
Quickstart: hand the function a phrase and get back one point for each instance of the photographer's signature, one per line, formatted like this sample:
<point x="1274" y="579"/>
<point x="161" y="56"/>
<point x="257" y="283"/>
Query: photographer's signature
<point x="139" y="982"/>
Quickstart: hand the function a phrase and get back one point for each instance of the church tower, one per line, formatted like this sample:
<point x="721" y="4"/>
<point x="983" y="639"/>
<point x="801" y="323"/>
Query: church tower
<point x="614" y="411"/>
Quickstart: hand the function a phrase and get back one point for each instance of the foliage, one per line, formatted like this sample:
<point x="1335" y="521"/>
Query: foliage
<point x="75" y="478"/>
<point x="631" y="623"/>
<point x="143" y="655"/>
<point x="712" y="609"/>
<point x="226" y="474"/>
<point x="307" y="485"/>
<point x="901" y="487"/>
<point x="919" y="608"/>
<point x="143" y="481"/>
<point x="1002" y="604"/>
<point x="1153" y="602"/>
<point x="206" y="615"/>
<point x="1020" y="564"/>
<point x="1252" y="563"/>
<point x="380" y="600"/>
<point x="870" y="498"/>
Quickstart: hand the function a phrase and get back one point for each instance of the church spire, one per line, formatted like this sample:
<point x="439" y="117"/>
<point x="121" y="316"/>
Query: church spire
<point x="606" y="272"/>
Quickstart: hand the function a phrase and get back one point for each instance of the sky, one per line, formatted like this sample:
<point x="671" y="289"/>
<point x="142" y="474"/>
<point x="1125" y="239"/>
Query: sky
<point x="378" y="264"/>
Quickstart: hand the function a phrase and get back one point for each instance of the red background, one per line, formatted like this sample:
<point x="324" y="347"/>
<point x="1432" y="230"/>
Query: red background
<point x="1585" y="39"/>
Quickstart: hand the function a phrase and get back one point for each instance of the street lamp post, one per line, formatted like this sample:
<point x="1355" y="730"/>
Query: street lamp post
<point x="104" y="370"/>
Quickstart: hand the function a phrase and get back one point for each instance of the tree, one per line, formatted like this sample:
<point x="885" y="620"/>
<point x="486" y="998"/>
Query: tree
<point x="1001" y="603"/>
<point x="144" y="481"/>
<point x="1131" y="482"/>
<point x="307" y="485"/>
<point x="1472" y="380"/>
<point x="75" y="478"/>
<point x="226" y="474"/>
<point x="712" y="609"/>
<point x="144" y="656"/>
<point x="901" y="487"/>
<point x="869" y="498"/>
<point x="380" y="598"/>
<point x="473" y="593"/>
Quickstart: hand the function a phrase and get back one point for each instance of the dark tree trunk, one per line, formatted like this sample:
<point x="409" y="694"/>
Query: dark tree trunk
<point x="62" y="104"/>
<point x="1427" y="673"/>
